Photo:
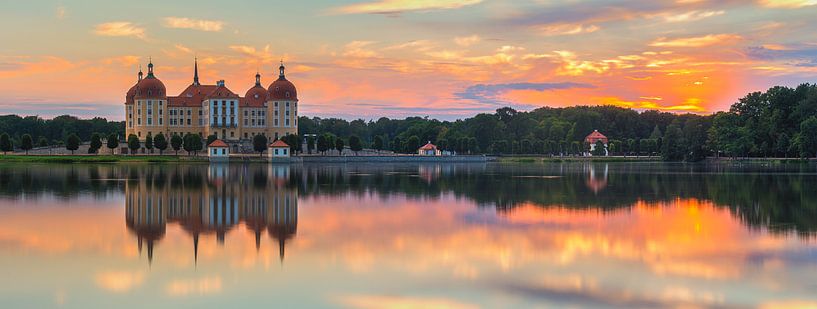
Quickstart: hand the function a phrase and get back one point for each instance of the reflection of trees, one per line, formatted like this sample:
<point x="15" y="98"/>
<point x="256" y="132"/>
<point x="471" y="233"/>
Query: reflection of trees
<point x="780" y="198"/>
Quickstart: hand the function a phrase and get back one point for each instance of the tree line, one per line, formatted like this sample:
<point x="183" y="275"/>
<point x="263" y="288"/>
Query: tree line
<point x="781" y="122"/>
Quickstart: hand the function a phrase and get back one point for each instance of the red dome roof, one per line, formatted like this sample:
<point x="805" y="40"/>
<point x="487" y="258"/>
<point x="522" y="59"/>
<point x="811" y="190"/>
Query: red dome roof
<point x="257" y="95"/>
<point x="129" y="95"/>
<point x="150" y="87"/>
<point x="282" y="89"/>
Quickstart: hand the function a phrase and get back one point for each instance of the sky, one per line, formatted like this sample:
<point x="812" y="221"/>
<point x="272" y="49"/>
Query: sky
<point x="446" y="59"/>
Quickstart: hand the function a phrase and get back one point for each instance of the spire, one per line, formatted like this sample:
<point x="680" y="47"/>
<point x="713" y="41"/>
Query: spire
<point x="196" y="249"/>
<point x="140" y="73"/>
<point x="196" y="71"/>
<point x="281" y="68"/>
<point x="150" y="68"/>
<point x="257" y="78"/>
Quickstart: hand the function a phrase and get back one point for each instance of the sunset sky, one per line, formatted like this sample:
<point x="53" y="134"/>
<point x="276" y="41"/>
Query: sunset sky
<point x="445" y="59"/>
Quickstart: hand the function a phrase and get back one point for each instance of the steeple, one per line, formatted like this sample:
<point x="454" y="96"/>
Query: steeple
<point x="150" y="68"/>
<point x="257" y="79"/>
<point x="196" y="71"/>
<point x="281" y="69"/>
<point x="140" y="73"/>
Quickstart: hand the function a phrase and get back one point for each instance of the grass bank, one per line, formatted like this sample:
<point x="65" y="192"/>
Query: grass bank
<point x="97" y="159"/>
<point x="534" y="159"/>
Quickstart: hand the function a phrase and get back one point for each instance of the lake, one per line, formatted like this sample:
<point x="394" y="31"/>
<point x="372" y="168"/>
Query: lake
<point x="617" y="235"/>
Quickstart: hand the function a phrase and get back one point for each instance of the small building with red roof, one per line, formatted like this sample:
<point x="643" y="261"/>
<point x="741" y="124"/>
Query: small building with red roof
<point x="218" y="150"/>
<point x="278" y="149"/>
<point x="429" y="149"/>
<point x="594" y="138"/>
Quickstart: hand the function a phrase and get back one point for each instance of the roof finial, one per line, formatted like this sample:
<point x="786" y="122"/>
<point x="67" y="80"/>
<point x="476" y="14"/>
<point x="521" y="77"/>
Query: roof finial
<point x="196" y="71"/>
<point x="281" y="68"/>
<point x="257" y="78"/>
<point x="140" y="73"/>
<point x="150" y="67"/>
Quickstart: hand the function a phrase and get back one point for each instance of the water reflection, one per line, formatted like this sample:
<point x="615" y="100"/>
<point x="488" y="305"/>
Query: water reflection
<point x="371" y="236"/>
<point x="214" y="204"/>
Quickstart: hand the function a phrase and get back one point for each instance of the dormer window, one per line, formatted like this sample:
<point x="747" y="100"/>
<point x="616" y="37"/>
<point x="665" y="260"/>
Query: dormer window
<point x="287" y="94"/>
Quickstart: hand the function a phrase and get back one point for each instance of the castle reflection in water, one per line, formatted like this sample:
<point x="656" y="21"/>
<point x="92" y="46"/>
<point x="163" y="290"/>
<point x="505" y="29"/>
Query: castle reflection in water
<point x="215" y="203"/>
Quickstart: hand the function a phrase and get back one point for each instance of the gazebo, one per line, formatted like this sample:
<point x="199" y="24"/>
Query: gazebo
<point x="429" y="149"/>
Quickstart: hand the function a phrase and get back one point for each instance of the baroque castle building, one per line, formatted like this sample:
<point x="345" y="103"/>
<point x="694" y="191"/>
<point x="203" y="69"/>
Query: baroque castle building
<point x="212" y="109"/>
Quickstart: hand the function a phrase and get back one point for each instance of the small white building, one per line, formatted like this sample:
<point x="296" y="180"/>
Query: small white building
<point x="429" y="149"/>
<point x="218" y="150"/>
<point x="278" y="149"/>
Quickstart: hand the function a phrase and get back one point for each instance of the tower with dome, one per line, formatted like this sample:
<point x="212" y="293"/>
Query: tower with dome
<point x="212" y="109"/>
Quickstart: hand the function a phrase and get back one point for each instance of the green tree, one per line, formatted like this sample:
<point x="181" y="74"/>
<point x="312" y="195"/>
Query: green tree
<point x="42" y="142"/>
<point x="323" y="144"/>
<point x="672" y="145"/>
<point x="176" y="142"/>
<point x="808" y="137"/>
<point x="783" y="145"/>
<point x="339" y="145"/>
<point x="96" y="143"/>
<point x="149" y="142"/>
<point x="599" y="149"/>
<point x="377" y="144"/>
<point x="355" y="144"/>
<point x="26" y="143"/>
<point x="310" y="144"/>
<point x="259" y="144"/>
<point x="72" y="142"/>
<point x="397" y="145"/>
<point x="134" y="144"/>
<point x="160" y="142"/>
<point x="412" y="144"/>
<point x="192" y="143"/>
<point x="5" y="143"/>
<point x="113" y="142"/>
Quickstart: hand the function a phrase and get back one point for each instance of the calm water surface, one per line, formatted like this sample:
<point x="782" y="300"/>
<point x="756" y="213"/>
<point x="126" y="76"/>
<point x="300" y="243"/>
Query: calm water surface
<point x="626" y="235"/>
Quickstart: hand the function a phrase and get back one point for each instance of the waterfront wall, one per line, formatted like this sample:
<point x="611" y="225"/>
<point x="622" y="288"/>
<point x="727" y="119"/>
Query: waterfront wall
<point x="393" y="159"/>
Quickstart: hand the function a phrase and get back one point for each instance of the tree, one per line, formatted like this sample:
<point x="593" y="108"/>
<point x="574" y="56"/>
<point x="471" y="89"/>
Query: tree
<point x="310" y="144"/>
<point x="211" y="138"/>
<point x="397" y="145"/>
<point x="377" y="144"/>
<point x="176" y="142"/>
<point x="133" y="143"/>
<point x="412" y="144"/>
<point x="259" y="144"/>
<point x="5" y="143"/>
<point x="42" y="142"/>
<point x="783" y="145"/>
<point x="149" y="142"/>
<point x="672" y="144"/>
<point x="160" y="142"/>
<point x="113" y="142"/>
<point x="355" y="144"/>
<point x="808" y="137"/>
<point x="192" y="143"/>
<point x="72" y="143"/>
<point x="599" y="149"/>
<point x="323" y="144"/>
<point x="26" y="143"/>
<point x="96" y="143"/>
<point x="339" y="145"/>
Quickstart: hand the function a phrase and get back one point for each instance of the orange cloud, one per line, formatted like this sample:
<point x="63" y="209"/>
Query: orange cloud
<point x="700" y="41"/>
<point x="397" y="302"/>
<point x="194" y="24"/>
<point x="120" y="28"/>
<point x="787" y="4"/>
<point x="567" y="29"/>
<point x="401" y="6"/>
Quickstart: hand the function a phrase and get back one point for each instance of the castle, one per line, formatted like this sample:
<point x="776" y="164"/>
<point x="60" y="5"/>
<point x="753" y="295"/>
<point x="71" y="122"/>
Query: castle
<point x="212" y="109"/>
